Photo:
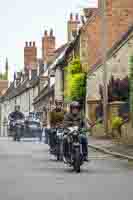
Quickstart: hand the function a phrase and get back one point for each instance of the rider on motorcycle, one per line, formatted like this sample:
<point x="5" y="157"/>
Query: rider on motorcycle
<point x="16" y="114"/>
<point x="56" y="120"/>
<point x="73" y="118"/>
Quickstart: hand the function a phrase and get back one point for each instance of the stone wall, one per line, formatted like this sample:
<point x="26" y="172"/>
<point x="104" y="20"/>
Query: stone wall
<point x="127" y="133"/>
<point x="25" y="100"/>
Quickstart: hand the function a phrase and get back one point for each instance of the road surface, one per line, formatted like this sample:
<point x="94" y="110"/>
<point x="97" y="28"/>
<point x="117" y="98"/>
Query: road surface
<point x="28" y="173"/>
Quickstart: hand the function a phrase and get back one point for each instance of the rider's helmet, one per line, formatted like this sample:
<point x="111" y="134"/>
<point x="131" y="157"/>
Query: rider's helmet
<point x="74" y="104"/>
<point x="58" y="102"/>
<point x="17" y="108"/>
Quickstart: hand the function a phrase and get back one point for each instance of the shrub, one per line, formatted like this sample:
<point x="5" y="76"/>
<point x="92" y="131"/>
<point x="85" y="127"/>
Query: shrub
<point x="117" y="122"/>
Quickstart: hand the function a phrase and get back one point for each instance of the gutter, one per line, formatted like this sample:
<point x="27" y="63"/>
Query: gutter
<point x="114" y="154"/>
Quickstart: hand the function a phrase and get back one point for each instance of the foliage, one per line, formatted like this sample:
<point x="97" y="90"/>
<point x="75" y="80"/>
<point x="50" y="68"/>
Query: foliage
<point x="75" y="82"/>
<point x="3" y="76"/>
<point x="116" y="122"/>
<point x="116" y="88"/>
<point x="74" y="67"/>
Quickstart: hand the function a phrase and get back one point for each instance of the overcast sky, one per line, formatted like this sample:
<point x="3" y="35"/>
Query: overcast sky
<point x="25" y="20"/>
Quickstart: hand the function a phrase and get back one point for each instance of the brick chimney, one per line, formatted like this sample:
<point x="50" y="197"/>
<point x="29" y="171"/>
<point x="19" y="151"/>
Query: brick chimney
<point x="48" y="46"/>
<point x="72" y="26"/>
<point x="30" y="55"/>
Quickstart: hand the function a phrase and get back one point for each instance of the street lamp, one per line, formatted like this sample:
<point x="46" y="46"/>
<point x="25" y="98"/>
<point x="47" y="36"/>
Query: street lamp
<point x="104" y="59"/>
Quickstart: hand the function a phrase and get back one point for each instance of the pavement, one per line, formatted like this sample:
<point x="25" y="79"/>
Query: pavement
<point x="112" y="147"/>
<point x="27" y="172"/>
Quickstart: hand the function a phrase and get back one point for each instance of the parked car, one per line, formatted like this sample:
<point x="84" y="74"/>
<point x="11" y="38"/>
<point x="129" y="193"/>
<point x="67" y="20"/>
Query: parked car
<point x="32" y="129"/>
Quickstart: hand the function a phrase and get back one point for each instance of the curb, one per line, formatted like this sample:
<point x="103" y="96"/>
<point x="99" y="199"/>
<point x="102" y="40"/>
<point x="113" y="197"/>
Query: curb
<point x="114" y="154"/>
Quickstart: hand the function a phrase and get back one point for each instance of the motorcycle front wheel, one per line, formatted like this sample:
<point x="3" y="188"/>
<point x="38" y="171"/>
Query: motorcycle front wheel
<point x="17" y="135"/>
<point x="59" y="152"/>
<point x="77" y="160"/>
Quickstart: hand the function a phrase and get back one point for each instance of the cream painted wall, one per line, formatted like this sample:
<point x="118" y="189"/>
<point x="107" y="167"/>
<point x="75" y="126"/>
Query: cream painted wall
<point x="117" y="66"/>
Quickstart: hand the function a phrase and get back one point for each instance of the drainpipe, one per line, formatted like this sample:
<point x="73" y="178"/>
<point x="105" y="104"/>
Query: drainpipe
<point x="104" y="59"/>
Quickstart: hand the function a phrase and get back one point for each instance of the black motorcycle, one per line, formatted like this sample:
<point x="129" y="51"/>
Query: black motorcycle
<point x="18" y="129"/>
<point x="59" y="144"/>
<point x="11" y="128"/>
<point x="56" y="143"/>
<point x="76" y="158"/>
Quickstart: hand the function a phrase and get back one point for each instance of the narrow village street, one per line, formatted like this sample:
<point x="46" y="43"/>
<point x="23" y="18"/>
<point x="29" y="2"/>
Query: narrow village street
<point x="66" y="93"/>
<point x="28" y="173"/>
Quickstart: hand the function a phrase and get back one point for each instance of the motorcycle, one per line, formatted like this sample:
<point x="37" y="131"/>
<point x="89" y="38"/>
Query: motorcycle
<point x="11" y="127"/>
<point x="19" y="126"/>
<point x="76" y="158"/>
<point x="59" y="144"/>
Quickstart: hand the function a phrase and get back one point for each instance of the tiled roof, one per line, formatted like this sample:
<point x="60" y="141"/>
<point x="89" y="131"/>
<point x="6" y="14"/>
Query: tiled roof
<point x="46" y="91"/>
<point x="13" y="92"/>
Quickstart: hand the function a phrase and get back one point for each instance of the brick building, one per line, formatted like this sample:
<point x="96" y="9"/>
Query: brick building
<point x="48" y="46"/>
<point x="72" y="26"/>
<point x="119" y="19"/>
<point x="30" y="56"/>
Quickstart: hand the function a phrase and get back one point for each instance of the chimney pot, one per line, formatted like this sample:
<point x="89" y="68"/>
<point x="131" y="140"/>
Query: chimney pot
<point x="71" y="16"/>
<point x="77" y="17"/>
<point x="51" y="33"/>
<point x="45" y="32"/>
<point x="30" y="44"/>
<point x="34" y="44"/>
<point x="26" y="44"/>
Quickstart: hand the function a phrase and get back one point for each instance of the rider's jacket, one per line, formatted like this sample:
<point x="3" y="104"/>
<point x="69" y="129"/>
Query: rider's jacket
<point x="56" y="117"/>
<point x="16" y="115"/>
<point x="73" y="120"/>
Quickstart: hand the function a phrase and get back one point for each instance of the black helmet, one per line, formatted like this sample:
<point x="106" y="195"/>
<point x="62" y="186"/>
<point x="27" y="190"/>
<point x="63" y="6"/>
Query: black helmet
<point x="58" y="102"/>
<point x="74" y="104"/>
<point x="17" y="107"/>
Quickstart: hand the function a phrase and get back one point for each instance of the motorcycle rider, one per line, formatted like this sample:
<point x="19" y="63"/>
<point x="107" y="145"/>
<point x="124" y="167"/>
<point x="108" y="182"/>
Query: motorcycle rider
<point x="16" y="114"/>
<point x="73" y="118"/>
<point x="56" y="120"/>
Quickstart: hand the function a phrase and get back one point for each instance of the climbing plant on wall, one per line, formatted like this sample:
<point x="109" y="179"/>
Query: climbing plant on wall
<point x="131" y="87"/>
<point x="75" y="82"/>
<point x="118" y="89"/>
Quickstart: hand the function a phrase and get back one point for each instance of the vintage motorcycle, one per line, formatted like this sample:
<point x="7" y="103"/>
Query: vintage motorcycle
<point x="59" y="144"/>
<point x="18" y="129"/>
<point x="76" y="158"/>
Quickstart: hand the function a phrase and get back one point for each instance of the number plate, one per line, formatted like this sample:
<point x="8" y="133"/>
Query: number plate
<point x="59" y="133"/>
<point x="76" y="144"/>
<point x="33" y="126"/>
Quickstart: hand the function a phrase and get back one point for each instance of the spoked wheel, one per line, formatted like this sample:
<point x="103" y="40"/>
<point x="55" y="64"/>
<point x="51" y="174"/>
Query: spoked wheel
<point x="14" y="138"/>
<point x="18" y="134"/>
<point x="77" y="160"/>
<point x="59" y="152"/>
